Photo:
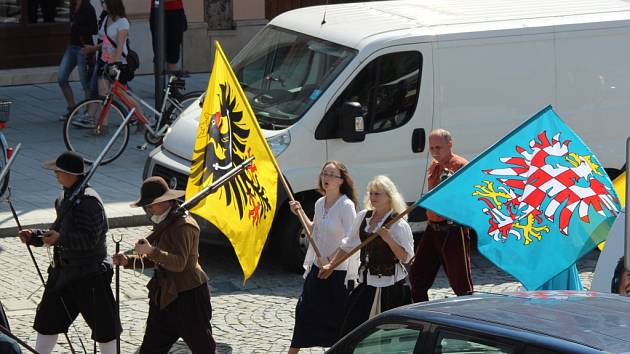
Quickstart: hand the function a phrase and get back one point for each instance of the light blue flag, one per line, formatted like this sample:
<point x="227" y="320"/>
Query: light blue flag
<point x="568" y="279"/>
<point x="538" y="199"/>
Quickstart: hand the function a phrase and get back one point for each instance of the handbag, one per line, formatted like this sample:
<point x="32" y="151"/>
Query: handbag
<point x="132" y="58"/>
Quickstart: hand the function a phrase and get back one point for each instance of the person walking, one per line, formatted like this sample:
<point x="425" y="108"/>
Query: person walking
<point x="79" y="278"/>
<point x="444" y="242"/>
<point x="82" y="27"/>
<point x="179" y="299"/>
<point x="113" y="48"/>
<point x="320" y="309"/>
<point x="379" y="267"/>
<point x="175" y="24"/>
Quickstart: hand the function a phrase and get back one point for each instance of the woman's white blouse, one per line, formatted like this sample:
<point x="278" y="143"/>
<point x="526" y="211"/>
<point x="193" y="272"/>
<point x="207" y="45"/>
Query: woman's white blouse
<point x="401" y="233"/>
<point x="329" y="228"/>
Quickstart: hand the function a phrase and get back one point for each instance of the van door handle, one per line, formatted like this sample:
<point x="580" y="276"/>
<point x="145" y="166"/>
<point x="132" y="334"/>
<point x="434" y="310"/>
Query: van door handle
<point x="418" y="140"/>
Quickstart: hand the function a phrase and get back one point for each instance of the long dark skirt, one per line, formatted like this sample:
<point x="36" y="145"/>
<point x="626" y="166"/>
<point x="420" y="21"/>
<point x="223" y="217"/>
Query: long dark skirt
<point x="361" y="299"/>
<point x="319" y="310"/>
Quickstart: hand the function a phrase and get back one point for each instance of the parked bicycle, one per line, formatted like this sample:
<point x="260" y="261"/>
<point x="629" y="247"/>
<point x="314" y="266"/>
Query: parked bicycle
<point x="92" y="122"/>
<point x="6" y="151"/>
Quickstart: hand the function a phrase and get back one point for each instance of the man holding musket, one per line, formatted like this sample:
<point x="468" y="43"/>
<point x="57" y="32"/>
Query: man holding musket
<point x="79" y="278"/>
<point x="179" y="299"/>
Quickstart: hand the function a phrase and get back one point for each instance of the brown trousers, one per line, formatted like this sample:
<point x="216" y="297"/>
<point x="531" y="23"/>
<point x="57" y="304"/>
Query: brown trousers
<point x="445" y="245"/>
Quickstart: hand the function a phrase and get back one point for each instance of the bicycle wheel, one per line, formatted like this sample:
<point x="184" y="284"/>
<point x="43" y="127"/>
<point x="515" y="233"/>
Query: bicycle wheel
<point x="80" y="133"/>
<point x="175" y="108"/>
<point x="173" y="111"/>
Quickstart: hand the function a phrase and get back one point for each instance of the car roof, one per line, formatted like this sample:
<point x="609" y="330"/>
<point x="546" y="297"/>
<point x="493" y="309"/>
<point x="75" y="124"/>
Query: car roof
<point x="593" y="319"/>
<point x="350" y="24"/>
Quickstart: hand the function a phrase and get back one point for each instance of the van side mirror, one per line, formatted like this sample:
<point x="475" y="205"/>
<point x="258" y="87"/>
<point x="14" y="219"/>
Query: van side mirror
<point x="351" y="124"/>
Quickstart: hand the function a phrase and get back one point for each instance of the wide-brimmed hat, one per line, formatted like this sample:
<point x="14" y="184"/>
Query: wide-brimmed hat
<point x="154" y="190"/>
<point x="68" y="162"/>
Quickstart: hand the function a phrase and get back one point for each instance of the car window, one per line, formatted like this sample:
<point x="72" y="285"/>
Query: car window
<point x="387" y="89"/>
<point x="450" y="342"/>
<point x="389" y="339"/>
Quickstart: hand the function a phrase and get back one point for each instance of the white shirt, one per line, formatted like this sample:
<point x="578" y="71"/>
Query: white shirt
<point x="401" y="233"/>
<point x="107" y="50"/>
<point x="329" y="228"/>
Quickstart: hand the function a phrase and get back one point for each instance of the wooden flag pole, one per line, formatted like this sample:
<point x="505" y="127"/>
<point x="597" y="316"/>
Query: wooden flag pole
<point x="372" y="236"/>
<point x="301" y="215"/>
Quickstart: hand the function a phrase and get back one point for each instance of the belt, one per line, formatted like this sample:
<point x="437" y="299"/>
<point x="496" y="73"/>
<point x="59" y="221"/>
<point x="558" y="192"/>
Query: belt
<point x="443" y="225"/>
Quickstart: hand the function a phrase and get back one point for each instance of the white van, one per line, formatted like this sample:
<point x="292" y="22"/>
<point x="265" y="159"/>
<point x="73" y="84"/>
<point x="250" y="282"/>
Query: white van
<point x="364" y="83"/>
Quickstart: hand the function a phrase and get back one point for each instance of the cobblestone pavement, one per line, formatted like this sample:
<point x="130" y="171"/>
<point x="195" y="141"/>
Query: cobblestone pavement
<point x="255" y="318"/>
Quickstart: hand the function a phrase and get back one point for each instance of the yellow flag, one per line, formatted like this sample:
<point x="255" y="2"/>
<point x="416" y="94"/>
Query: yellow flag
<point x="620" y="187"/>
<point x="228" y="134"/>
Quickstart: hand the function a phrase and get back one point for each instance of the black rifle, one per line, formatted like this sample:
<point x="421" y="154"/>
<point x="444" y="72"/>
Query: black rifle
<point x="194" y="200"/>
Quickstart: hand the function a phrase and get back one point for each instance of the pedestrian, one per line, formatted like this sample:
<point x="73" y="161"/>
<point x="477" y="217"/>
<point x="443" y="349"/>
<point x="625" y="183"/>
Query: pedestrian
<point x="79" y="278"/>
<point x="379" y="267"/>
<point x="443" y="241"/>
<point x="175" y="24"/>
<point x="179" y="299"/>
<point x="620" y="282"/>
<point x="113" y="48"/>
<point x="82" y="27"/>
<point x="320" y="309"/>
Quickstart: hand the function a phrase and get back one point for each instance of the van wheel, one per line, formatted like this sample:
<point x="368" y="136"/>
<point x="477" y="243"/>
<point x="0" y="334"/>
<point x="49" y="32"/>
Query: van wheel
<point x="291" y="244"/>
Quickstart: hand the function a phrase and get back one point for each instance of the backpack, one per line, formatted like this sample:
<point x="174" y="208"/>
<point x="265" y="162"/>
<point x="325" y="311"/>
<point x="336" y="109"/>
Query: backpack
<point x="132" y="57"/>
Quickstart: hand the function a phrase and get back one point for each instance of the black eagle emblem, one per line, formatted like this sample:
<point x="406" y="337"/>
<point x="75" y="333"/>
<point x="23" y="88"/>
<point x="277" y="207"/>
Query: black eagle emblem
<point x="227" y="137"/>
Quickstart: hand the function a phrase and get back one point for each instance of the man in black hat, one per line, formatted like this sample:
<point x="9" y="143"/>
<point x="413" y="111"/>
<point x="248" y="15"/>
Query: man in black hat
<point x="179" y="299"/>
<point x="79" y="278"/>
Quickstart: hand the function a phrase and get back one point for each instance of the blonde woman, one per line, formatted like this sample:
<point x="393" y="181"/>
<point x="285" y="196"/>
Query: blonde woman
<point x="379" y="269"/>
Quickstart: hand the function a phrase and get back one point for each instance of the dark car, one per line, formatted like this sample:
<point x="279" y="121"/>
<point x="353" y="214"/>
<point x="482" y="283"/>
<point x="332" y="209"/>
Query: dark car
<point x="526" y="322"/>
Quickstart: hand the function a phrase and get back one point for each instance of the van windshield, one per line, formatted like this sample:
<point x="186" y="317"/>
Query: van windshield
<point x="284" y="72"/>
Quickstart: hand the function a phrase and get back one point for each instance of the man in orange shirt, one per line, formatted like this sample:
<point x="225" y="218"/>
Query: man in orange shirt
<point x="443" y="242"/>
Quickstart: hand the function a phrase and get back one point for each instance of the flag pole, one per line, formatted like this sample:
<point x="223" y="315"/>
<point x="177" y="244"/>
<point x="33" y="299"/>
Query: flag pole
<point x="301" y="214"/>
<point x="372" y="236"/>
<point x="627" y="243"/>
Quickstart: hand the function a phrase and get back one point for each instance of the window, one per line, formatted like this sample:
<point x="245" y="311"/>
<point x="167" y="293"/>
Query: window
<point x="387" y="89"/>
<point x="389" y="339"/>
<point x="284" y="72"/>
<point x="449" y="342"/>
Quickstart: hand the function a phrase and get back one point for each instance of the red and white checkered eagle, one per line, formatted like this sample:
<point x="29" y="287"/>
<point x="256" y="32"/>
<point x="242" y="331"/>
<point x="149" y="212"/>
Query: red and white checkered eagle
<point x="546" y="179"/>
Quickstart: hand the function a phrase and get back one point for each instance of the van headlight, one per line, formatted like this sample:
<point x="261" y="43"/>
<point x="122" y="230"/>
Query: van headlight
<point x="279" y="143"/>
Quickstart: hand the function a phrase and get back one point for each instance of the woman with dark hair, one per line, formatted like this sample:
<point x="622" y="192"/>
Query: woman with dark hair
<point x="113" y="48"/>
<point x="321" y="306"/>
<point x="82" y="27"/>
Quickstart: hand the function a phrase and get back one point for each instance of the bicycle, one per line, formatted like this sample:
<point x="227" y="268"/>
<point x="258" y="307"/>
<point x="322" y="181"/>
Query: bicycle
<point x="103" y="115"/>
<point x="5" y="150"/>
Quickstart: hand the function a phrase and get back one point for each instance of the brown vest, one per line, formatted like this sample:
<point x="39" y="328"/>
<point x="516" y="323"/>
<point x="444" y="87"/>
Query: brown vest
<point x="376" y="255"/>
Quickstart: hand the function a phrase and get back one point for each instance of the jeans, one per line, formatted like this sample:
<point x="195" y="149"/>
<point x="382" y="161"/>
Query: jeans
<point x="96" y="74"/>
<point x="73" y="58"/>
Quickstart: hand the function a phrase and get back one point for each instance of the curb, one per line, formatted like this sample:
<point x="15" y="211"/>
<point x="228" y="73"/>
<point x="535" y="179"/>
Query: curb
<point x="114" y="222"/>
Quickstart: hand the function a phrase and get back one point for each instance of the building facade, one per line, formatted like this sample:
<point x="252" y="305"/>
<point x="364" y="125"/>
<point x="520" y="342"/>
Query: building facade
<point x="34" y="33"/>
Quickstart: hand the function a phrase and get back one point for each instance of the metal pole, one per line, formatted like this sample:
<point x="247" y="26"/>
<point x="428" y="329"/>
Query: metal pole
<point x="627" y="243"/>
<point x="159" y="45"/>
